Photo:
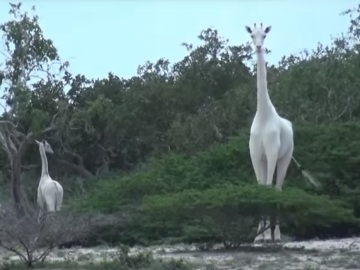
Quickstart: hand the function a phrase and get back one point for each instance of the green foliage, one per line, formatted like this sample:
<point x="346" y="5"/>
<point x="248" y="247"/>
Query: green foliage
<point x="174" y="173"/>
<point x="39" y="119"/>
<point x="231" y="204"/>
<point x="218" y="185"/>
<point x="330" y="151"/>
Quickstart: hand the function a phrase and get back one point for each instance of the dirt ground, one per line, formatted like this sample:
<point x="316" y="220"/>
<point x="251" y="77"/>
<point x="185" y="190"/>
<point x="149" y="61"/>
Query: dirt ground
<point x="284" y="259"/>
<point x="330" y="254"/>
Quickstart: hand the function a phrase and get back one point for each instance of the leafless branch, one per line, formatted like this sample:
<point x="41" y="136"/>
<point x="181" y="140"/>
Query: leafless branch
<point x="5" y="54"/>
<point x="33" y="241"/>
<point x="80" y="168"/>
<point x="30" y="166"/>
<point x="78" y="158"/>
<point x="343" y="110"/>
<point x="6" y="130"/>
<point x="51" y="127"/>
<point x="106" y="150"/>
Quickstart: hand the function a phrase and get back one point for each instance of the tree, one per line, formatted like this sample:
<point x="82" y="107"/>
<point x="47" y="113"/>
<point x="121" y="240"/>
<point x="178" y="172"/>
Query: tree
<point x="30" y="59"/>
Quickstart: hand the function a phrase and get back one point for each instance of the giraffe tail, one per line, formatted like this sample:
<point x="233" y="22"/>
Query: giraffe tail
<point x="307" y="175"/>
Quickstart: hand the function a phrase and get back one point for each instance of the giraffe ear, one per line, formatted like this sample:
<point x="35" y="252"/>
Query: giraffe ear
<point x="267" y="29"/>
<point x="248" y="29"/>
<point x="37" y="141"/>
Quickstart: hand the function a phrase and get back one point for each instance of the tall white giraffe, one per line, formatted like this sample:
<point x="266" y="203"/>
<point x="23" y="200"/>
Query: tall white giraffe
<point x="50" y="192"/>
<point x="271" y="136"/>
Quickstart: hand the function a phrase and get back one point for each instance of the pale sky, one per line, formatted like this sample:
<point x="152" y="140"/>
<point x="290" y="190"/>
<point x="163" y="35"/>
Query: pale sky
<point x="98" y="37"/>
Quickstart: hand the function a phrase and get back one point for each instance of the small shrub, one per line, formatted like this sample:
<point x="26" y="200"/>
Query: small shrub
<point x="32" y="241"/>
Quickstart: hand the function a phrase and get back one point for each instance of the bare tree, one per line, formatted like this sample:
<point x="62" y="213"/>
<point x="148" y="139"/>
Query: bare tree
<point x="33" y="241"/>
<point x="15" y="144"/>
<point x="29" y="57"/>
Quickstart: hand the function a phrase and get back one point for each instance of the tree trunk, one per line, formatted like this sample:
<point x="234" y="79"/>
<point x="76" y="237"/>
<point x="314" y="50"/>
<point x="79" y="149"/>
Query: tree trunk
<point x="16" y="178"/>
<point x="16" y="185"/>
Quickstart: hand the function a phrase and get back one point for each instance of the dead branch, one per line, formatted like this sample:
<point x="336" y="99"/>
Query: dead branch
<point x="30" y="166"/>
<point x="32" y="241"/>
<point x="106" y="150"/>
<point x="15" y="144"/>
<point x="107" y="155"/>
<point x="6" y="134"/>
<point x="76" y="167"/>
<point x="77" y="157"/>
<point x="50" y="128"/>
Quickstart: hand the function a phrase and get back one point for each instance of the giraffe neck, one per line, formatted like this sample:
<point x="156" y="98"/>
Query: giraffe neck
<point x="264" y="105"/>
<point x="44" y="168"/>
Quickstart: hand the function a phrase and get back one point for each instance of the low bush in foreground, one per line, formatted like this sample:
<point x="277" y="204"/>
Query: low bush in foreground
<point x="121" y="260"/>
<point x="32" y="240"/>
<point x="230" y="213"/>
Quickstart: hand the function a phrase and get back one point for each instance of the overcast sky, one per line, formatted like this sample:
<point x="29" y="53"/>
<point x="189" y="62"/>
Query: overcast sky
<point x="97" y="37"/>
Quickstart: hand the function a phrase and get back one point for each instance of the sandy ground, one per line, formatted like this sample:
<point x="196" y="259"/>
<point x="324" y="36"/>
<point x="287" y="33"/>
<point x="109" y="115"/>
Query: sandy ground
<point x="330" y="254"/>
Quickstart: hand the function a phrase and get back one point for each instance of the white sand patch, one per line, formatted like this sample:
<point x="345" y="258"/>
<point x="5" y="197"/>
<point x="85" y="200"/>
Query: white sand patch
<point x="339" y="244"/>
<point x="315" y="254"/>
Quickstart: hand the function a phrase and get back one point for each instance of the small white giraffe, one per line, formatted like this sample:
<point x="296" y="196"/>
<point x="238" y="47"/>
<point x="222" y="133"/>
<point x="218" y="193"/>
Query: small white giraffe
<point x="50" y="192"/>
<point x="271" y="136"/>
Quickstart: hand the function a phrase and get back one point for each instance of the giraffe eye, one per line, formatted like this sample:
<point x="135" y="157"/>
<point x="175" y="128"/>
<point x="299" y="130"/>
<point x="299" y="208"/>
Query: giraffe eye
<point x="264" y="36"/>
<point x="252" y="36"/>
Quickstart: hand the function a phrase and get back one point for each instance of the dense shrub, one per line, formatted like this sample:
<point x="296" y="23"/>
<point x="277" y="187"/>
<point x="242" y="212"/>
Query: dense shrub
<point x="331" y="152"/>
<point x="301" y="213"/>
<point x="218" y="184"/>
<point x="222" y="163"/>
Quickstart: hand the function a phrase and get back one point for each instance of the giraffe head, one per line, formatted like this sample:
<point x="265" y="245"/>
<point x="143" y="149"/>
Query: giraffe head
<point x="258" y="35"/>
<point x="46" y="146"/>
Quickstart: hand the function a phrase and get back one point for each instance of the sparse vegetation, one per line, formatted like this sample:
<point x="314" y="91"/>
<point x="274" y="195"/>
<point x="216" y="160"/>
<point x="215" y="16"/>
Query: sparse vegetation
<point x="119" y="260"/>
<point x="32" y="241"/>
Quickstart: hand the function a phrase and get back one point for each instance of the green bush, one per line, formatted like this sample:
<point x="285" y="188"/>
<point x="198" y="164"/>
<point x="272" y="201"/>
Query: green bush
<point x="331" y="153"/>
<point x="239" y="207"/>
<point x="222" y="180"/>
<point x="222" y="163"/>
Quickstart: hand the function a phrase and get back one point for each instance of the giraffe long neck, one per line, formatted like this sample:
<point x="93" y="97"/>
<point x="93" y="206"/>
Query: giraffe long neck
<point x="44" y="168"/>
<point x="264" y="105"/>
